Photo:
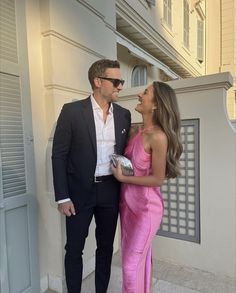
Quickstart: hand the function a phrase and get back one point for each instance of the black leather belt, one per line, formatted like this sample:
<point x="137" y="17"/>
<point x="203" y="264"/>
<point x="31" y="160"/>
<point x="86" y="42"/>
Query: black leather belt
<point x="98" y="179"/>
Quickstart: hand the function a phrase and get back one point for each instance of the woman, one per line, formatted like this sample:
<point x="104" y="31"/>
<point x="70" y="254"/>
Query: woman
<point x="154" y="151"/>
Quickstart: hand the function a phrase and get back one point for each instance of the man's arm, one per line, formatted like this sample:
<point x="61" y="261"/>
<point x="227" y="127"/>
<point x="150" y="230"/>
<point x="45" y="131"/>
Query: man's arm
<point x="60" y="150"/>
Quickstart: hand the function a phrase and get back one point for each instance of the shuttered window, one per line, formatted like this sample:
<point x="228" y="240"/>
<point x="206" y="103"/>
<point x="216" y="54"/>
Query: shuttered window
<point x="200" y="39"/>
<point x="168" y="12"/>
<point x="186" y="24"/>
<point x="11" y="137"/>
<point x="8" y="47"/>
<point x="18" y="216"/>
<point x="11" y="123"/>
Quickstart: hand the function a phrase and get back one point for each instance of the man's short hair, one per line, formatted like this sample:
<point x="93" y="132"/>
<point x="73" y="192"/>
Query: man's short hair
<point x="99" y="67"/>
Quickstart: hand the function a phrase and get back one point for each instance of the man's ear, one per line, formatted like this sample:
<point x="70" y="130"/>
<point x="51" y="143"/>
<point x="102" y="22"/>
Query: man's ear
<point x="97" y="82"/>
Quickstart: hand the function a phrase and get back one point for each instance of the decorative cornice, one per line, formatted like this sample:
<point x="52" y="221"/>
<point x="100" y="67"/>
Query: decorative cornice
<point x="136" y="50"/>
<point x="91" y="8"/>
<point x="199" y="10"/>
<point x="108" y="25"/>
<point x="66" y="89"/>
<point x="96" y="12"/>
<point x="201" y="83"/>
<point x="144" y="3"/>
<point x="52" y="33"/>
<point x="125" y="11"/>
<point x="202" y="87"/>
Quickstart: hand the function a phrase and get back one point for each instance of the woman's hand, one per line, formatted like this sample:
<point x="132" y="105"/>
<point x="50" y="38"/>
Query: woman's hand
<point x="117" y="172"/>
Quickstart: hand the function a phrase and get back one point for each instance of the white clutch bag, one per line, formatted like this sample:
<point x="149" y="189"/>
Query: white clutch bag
<point x="126" y="165"/>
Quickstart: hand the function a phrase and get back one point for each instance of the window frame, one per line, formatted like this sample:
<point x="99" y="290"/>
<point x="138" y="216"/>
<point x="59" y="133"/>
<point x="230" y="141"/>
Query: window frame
<point x="200" y="40"/>
<point x="186" y="27"/>
<point x="137" y="70"/>
<point x="167" y="12"/>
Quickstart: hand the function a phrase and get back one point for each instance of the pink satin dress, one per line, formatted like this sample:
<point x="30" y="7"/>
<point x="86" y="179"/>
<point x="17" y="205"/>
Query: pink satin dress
<point x="141" y="211"/>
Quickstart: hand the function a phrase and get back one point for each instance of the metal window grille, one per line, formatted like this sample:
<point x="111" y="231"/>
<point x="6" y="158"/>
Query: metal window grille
<point x="181" y="218"/>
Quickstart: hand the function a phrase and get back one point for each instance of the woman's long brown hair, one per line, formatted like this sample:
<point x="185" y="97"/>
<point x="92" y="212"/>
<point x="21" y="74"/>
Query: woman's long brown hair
<point x="167" y="116"/>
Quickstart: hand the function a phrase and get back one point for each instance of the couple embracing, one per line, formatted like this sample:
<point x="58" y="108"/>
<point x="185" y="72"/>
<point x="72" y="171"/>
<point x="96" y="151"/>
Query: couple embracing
<point x="87" y="185"/>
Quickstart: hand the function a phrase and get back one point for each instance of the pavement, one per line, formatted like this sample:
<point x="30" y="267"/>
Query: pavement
<point x="168" y="278"/>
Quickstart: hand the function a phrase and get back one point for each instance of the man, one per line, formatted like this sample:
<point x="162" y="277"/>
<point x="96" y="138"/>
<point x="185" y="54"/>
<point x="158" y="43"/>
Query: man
<point x="87" y="133"/>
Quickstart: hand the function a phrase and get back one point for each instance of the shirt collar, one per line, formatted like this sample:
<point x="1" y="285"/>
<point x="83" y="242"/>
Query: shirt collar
<point x="95" y="105"/>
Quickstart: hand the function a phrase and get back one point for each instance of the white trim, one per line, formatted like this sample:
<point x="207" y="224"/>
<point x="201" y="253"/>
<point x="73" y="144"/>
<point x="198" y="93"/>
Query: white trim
<point x="43" y="284"/>
<point x="53" y="87"/>
<point x="202" y="83"/>
<point x="142" y="54"/>
<point x="56" y="283"/>
<point x="55" y="34"/>
<point x="91" y="8"/>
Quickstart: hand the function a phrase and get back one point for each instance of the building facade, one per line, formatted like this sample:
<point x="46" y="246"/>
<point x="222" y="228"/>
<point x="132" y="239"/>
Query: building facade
<point x="46" y="49"/>
<point x="220" y="44"/>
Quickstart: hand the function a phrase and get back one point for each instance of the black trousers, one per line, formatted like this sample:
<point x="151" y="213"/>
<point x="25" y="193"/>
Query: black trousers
<point x="105" y="212"/>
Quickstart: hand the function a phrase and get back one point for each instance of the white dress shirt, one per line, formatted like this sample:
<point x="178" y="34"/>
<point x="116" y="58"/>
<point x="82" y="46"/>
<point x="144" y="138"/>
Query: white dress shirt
<point x="105" y="137"/>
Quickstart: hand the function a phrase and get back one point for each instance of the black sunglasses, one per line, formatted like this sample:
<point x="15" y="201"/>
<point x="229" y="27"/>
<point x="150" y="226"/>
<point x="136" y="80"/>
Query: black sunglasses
<point x="116" y="82"/>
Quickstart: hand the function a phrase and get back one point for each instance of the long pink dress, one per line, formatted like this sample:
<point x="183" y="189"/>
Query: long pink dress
<point x="141" y="211"/>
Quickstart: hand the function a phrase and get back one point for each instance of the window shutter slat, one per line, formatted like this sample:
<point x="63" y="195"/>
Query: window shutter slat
<point x="8" y="44"/>
<point x="11" y="137"/>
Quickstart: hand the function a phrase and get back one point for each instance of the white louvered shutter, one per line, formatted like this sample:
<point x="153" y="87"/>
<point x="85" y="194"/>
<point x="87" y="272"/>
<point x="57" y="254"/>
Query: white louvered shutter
<point x="19" y="270"/>
<point x="11" y="126"/>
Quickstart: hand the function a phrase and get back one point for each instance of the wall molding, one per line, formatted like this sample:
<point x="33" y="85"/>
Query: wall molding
<point x="43" y="284"/>
<point x="144" y="3"/>
<point x="91" y="8"/>
<point x="58" y="284"/>
<point x="202" y="83"/>
<point x="66" y="89"/>
<point x="52" y="33"/>
<point x="97" y="13"/>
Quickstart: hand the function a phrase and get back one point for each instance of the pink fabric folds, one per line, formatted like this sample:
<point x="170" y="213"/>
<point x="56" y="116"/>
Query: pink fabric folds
<point x="141" y="211"/>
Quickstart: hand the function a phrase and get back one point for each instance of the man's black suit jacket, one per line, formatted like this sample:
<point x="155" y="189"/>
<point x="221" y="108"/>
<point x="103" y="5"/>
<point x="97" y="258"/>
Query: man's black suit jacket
<point x="74" y="152"/>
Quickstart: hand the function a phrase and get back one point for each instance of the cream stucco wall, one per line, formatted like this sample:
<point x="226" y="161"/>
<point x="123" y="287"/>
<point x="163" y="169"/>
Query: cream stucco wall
<point x="220" y="43"/>
<point x="50" y="240"/>
<point x="213" y="36"/>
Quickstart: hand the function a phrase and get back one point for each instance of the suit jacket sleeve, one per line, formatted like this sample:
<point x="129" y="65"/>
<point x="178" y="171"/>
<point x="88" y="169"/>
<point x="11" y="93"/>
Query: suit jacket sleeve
<point x="60" y="151"/>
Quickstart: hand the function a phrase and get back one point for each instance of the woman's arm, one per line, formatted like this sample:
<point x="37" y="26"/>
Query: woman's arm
<point x="158" y="146"/>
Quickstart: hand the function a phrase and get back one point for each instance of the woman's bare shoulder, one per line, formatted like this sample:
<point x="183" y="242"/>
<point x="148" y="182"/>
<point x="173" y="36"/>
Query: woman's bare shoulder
<point x="158" y="136"/>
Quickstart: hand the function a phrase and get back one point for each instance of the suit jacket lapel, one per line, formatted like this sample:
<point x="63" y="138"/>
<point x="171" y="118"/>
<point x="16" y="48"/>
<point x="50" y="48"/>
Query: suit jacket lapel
<point x="89" y="119"/>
